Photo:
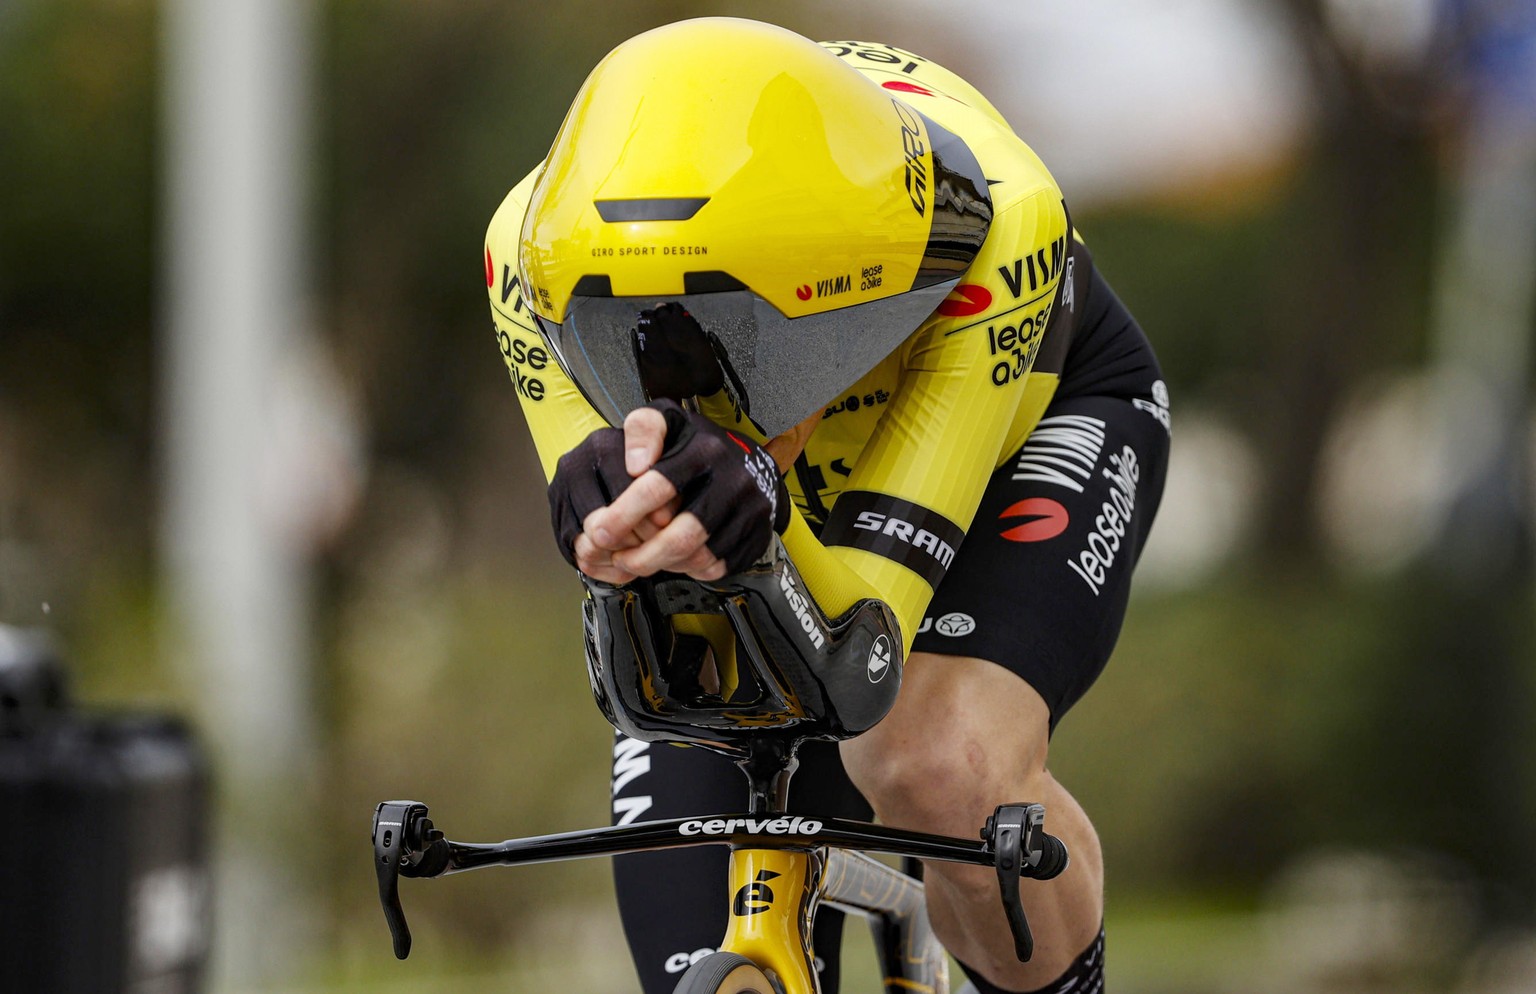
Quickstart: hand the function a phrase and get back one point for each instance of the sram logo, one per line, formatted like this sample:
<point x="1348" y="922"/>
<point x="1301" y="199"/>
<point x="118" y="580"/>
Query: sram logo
<point x="751" y="826"/>
<point x="905" y="531"/>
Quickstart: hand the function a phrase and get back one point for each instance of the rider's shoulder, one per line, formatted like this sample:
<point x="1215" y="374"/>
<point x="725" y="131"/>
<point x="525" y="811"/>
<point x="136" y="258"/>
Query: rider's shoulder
<point x="1015" y="173"/>
<point x="507" y="222"/>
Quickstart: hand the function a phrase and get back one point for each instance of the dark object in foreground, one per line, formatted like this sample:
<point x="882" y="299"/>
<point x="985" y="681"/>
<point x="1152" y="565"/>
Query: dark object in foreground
<point x="114" y="896"/>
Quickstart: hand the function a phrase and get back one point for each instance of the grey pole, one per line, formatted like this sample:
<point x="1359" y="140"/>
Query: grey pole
<point x="236" y="113"/>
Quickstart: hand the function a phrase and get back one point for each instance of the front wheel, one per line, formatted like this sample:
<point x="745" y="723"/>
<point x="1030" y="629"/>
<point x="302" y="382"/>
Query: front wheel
<point x="725" y="973"/>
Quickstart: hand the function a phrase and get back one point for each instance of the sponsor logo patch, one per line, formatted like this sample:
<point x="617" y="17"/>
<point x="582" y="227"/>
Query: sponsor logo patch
<point x="920" y="539"/>
<point x="915" y="150"/>
<point x="966" y="300"/>
<point x="879" y="660"/>
<point x="756" y="897"/>
<point x="800" y="604"/>
<point x="1157" y="406"/>
<point x="750" y="826"/>
<point x="955" y="624"/>
<point x="678" y="962"/>
<point x="1046" y="518"/>
<point x="1104" y="544"/>
<point x="1062" y="450"/>
<point x="853" y="402"/>
<point x="631" y="759"/>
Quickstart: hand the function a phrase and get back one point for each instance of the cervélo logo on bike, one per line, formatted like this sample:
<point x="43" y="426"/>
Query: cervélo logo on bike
<point x="751" y="826"/>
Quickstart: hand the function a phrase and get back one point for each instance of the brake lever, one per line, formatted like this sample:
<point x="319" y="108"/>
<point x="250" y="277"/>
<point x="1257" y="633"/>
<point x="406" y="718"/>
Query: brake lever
<point x="1016" y="835"/>
<point x="404" y="844"/>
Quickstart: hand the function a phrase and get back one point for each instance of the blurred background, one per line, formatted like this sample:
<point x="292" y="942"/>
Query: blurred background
<point x="261" y="464"/>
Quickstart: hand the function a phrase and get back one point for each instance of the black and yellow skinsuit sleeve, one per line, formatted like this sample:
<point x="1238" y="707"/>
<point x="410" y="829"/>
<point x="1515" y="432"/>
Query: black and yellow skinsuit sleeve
<point x="892" y="476"/>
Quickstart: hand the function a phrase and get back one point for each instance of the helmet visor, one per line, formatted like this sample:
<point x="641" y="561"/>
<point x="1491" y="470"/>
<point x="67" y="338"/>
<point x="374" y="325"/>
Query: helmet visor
<point x="784" y="369"/>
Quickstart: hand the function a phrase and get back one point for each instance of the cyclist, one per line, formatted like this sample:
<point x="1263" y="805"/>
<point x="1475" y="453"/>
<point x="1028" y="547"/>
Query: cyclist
<point x="893" y="350"/>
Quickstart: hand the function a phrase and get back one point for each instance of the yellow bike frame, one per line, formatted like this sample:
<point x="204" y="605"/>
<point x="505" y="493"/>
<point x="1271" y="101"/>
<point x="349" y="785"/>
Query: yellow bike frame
<point x="774" y="895"/>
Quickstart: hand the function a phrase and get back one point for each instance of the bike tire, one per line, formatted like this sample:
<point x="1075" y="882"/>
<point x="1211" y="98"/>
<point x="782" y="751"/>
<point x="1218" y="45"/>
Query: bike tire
<point x="725" y="973"/>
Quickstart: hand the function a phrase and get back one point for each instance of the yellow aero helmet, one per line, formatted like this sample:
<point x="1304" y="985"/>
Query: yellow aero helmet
<point x="807" y="219"/>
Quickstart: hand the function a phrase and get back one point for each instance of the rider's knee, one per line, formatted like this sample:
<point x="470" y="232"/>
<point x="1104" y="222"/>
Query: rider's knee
<point x="965" y="736"/>
<point x="939" y="783"/>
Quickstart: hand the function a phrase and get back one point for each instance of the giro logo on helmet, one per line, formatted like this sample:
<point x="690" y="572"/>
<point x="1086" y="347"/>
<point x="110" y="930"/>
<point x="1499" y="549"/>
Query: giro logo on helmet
<point x="912" y="145"/>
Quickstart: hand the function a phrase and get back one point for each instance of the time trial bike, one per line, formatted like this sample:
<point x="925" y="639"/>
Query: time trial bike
<point x="798" y="675"/>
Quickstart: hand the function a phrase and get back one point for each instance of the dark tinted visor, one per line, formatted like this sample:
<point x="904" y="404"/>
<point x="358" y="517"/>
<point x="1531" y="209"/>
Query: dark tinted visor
<point x="784" y="368"/>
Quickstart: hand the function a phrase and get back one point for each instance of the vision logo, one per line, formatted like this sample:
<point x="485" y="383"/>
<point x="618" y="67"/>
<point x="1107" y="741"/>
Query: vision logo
<point x="879" y="660"/>
<point x="1047" y="519"/>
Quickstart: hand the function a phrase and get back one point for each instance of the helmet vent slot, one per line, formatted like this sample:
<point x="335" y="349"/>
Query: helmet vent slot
<point x="649" y="209"/>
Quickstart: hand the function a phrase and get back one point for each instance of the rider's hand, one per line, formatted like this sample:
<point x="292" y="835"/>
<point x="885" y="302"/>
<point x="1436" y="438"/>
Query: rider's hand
<point x="587" y="479"/>
<point x="705" y="501"/>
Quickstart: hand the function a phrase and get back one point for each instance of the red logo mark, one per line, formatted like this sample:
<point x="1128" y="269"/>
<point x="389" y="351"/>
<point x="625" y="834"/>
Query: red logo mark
<point x="490" y="270"/>
<point x="804" y="293"/>
<point x="902" y="86"/>
<point x="1050" y="520"/>
<point x="965" y="300"/>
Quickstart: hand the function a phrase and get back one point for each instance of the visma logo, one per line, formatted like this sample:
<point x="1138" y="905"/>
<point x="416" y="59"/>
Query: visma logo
<point x="825" y="288"/>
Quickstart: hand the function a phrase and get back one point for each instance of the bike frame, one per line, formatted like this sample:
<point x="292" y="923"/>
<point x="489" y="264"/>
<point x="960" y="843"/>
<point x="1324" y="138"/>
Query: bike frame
<point x="775" y="894"/>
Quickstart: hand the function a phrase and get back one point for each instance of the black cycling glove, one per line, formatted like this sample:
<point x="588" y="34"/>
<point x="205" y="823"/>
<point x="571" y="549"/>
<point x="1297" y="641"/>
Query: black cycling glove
<point x="588" y="477"/>
<point x="726" y="480"/>
<point x="674" y="355"/>
<point x="729" y="482"/>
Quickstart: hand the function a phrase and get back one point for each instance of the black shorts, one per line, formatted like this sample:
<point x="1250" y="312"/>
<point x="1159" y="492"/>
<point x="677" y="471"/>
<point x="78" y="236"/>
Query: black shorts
<point x="1041" y="582"/>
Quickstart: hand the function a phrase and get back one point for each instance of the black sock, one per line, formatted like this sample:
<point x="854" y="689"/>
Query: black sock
<point x="1084" y="976"/>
